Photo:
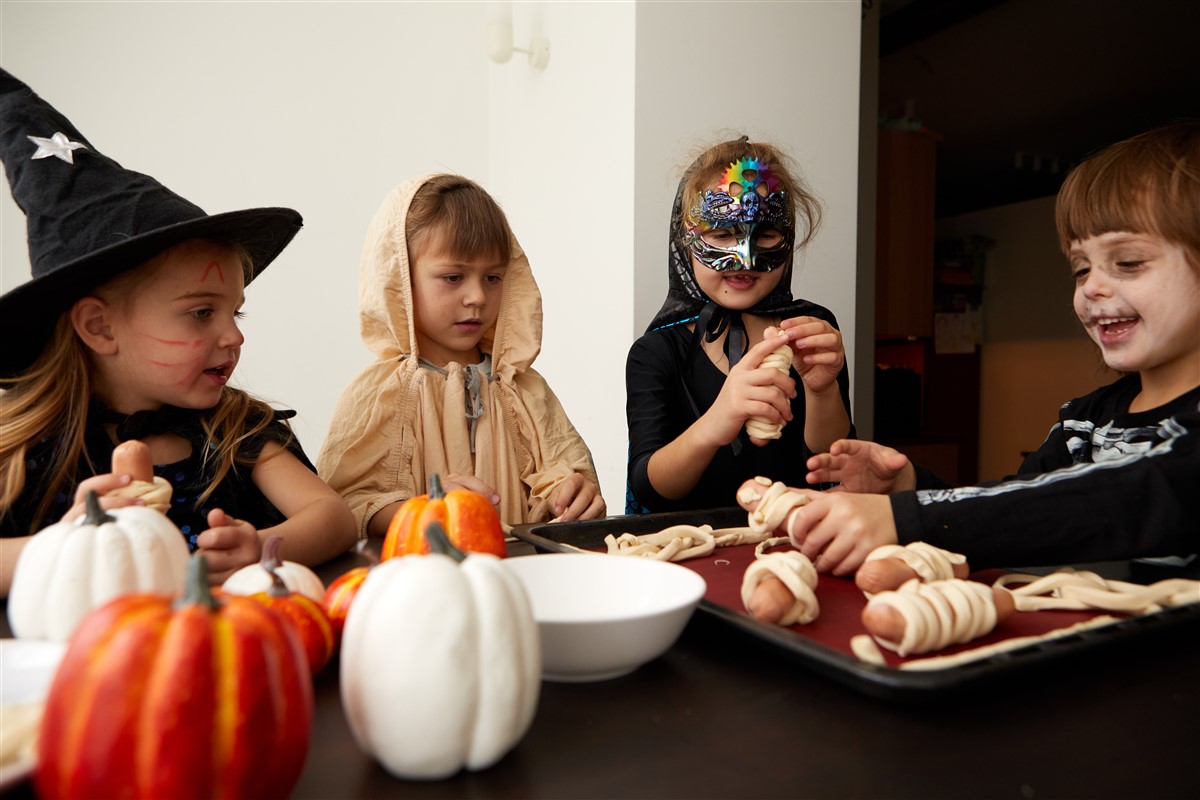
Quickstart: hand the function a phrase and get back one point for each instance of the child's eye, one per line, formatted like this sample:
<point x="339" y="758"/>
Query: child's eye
<point x="452" y="278"/>
<point x="202" y="313"/>
<point x="719" y="236"/>
<point x="1130" y="264"/>
<point x="1079" y="274"/>
<point x="768" y="238"/>
<point x="494" y="279"/>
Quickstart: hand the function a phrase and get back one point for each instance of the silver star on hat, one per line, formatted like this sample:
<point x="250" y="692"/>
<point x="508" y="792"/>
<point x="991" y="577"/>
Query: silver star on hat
<point x="57" y="145"/>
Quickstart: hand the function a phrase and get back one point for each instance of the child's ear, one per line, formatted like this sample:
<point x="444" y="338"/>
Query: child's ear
<point x="90" y="317"/>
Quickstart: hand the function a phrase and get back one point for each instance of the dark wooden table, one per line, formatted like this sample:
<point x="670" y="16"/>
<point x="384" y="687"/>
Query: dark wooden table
<point x="723" y="715"/>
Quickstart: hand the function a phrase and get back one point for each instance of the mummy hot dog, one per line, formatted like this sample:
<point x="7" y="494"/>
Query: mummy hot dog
<point x="922" y="617"/>
<point x="891" y="566"/>
<point x="779" y="587"/>
<point x="772" y="503"/>
<point x="132" y="458"/>
<point x="760" y="427"/>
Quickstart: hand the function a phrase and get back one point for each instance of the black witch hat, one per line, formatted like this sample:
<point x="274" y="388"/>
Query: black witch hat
<point x="89" y="219"/>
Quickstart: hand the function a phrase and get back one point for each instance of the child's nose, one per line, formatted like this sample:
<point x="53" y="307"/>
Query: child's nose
<point x="474" y="295"/>
<point x="1096" y="283"/>
<point x="231" y="336"/>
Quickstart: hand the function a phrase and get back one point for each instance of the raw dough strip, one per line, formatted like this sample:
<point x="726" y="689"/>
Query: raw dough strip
<point x="729" y="537"/>
<point x="929" y="562"/>
<point x="795" y="571"/>
<point x="155" y="494"/>
<point x="680" y="542"/>
<point x="939" y="614"/>
<point x="760" y="427"/>
<point x="774" y="505"/>
<point x="676" y="543"/>
<point x="1080" y="590"/>
<point x="865" y="649"/>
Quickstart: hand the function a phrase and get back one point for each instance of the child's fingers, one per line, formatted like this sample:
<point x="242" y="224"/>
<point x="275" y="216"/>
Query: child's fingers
<point x="799" y="327"/>
<point x="470" y="482"/>
<point x="754" y="356"/>
<point x="101" y="485"/>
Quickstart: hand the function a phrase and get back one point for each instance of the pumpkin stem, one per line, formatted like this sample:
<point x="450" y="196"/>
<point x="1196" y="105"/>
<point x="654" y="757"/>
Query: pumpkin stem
<point x="270" y="554"/>
<point x="435" y="487"/>
<point x="95" y="514"/>
<point x="439" y="541"/>
<point x="277" y="588"/>
<point x="363" y="549"/>
<point x="195" y="585"/>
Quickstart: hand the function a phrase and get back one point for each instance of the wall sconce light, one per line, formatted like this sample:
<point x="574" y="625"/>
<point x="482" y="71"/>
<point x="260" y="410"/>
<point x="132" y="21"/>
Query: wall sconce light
<point x="500" y="45"/>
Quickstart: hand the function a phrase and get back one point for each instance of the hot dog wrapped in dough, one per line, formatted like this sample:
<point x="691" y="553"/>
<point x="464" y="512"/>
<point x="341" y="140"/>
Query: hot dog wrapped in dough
<point x="132" y="458"/>
<point x="759" y="427"/>
<point x="780" y="587"/>
<point x="923" y="617"/>
<point x="892" y="565"/>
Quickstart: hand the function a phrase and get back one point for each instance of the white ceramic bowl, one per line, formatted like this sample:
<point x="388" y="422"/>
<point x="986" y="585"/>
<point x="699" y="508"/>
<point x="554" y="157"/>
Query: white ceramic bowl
<point x="603" y="616"/>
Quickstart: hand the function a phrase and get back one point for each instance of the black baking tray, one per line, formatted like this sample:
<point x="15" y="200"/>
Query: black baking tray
<point x="880" y="681"/>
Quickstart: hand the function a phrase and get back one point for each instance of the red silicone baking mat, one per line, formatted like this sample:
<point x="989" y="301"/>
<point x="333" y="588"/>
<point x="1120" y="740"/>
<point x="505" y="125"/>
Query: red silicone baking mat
<point x="824" y="644"/>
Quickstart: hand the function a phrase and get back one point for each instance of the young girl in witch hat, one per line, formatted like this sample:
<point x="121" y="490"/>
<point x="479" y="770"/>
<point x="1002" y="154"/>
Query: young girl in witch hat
<point x="128" y="330"/>
<point x="698" y="373"/>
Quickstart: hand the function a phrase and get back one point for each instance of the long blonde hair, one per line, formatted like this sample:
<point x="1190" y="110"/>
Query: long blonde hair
<point x="52" y="400"/>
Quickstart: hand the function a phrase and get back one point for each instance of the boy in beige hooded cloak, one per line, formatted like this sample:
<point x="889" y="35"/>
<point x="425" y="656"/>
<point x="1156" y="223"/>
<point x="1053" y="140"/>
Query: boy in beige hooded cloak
<point x="449" y="306"/>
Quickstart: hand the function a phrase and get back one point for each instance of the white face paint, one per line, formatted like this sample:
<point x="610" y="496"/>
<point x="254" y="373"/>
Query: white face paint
<point x="1138" y="298"/>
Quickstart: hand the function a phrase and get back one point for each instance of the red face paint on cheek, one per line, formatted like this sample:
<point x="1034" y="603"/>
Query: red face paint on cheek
<point x="167" y="341"/>
<point x="211" y="266"/>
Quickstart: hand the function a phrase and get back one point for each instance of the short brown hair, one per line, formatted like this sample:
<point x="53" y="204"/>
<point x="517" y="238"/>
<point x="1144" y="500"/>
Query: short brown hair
<point x="1148" y="184"/>
<point x="801" y="201"/>
<point x="461" y="216"/>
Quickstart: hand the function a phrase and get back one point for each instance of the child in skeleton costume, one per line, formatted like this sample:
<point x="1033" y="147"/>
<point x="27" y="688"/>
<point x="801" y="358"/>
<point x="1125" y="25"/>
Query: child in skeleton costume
<point x="449" y="306"/>
<point x="701" y="386"/>
<point x="1117" y="476"/>
<point x="126" y="337"/>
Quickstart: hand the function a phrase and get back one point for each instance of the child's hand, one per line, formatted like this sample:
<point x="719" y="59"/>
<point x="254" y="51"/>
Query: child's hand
<point x="751" y="390"/>
<point x="817" y="351"/>
<point x="101" y="485"/>
<point x="228" y="545"/>
<point x="471" y="483"/>
<point x="859" y="466"/>
<point x="836" y="531"/>
<point x="576" y="497"/>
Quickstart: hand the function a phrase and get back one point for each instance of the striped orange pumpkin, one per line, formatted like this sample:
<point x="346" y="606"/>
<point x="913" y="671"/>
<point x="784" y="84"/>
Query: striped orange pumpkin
<point x="303" y="613"/>
<point x="183" y="698"/>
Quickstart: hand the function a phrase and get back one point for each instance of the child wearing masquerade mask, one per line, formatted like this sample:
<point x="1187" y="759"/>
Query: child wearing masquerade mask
<point x="1118" y="473"/>
<point x="697" y="375"/>
<point x="128" y="330"/>
<point x="450" y="307"/>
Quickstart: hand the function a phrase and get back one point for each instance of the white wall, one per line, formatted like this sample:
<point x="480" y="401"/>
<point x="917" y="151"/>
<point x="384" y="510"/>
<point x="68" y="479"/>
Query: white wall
<point x="560" y="157"/>
<point x="325" y="107"/>
<point x="780" y="72"/>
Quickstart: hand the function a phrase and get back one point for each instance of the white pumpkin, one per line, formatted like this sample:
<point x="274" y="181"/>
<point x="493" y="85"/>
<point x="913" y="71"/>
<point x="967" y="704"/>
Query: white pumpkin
<point x="440" y="663"/>
<point x="255" y="578"/>
<point x="71" y="567"/>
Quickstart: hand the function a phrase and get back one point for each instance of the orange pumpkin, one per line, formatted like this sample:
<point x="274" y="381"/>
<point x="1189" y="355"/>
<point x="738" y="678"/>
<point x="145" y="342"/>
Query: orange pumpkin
<point x="338" y="597"/>
<point x="305" y="615"/>
<point x="165" y="697"/>
<point x="468" y="517"/>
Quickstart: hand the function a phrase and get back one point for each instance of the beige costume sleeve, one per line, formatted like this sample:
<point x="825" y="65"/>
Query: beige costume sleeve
<point x="555" y="448"/>
<point x="366" y="453"/>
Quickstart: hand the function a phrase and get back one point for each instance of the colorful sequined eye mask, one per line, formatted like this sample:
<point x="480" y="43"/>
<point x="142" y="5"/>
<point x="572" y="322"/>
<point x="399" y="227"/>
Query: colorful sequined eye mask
<point x="734" y="221"/>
